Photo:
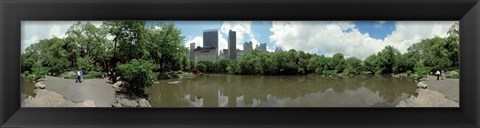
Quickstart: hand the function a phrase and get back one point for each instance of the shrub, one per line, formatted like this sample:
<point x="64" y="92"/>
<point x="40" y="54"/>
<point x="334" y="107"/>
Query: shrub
<point x="201" y="67"/>
<point x="69" y="75"/>
<point x="452" y="74"/>
<point x="92" y="75"/>
<point x="136" y="75"/>
<point x="39" y="72"/>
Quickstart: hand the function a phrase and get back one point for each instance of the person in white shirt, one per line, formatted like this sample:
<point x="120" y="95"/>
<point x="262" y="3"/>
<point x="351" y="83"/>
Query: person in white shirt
<point x="437" y="74"/>
<point x="78" y="77"/>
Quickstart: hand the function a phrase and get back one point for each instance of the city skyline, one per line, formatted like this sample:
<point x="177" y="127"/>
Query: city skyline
<point x="320" y="37"/>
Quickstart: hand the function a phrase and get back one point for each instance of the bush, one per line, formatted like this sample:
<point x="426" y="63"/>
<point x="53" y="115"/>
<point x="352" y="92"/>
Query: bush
<point x="69" y="75"/>
<point x="39" y="72"/>
<point x="136" y="75"/>
<point x="452" y="74"/>
<point x="92" y="75"/>
<point x="201" y="67"/>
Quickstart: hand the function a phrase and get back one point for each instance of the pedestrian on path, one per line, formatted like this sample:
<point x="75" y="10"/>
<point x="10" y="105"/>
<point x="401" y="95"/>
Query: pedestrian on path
<point x="437" y="74"/>
<point x="78" y="77"/>
<point x="443" y="74"/>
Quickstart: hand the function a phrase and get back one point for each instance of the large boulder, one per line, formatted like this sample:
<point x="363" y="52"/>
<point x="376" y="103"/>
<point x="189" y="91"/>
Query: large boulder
<point x="117" y="84"/>
<point x="40" y="85"/>
<point x="127" y="103"/>
<point x="117" y="105"/>
<point x="143" y="103"/>
<point x="86" y="103"/>
<point x="422" y="85"/>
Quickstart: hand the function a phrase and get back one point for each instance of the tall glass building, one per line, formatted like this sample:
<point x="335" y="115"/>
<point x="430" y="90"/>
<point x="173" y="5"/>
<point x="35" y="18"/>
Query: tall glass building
<point x="232" y="44"/>
<point x="210" y="38"/>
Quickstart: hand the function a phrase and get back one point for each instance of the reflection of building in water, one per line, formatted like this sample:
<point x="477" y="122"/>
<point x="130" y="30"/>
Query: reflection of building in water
<point x="208" y="53"/>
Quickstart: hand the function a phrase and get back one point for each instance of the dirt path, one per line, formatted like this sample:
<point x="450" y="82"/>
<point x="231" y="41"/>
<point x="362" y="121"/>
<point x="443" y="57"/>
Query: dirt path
<point x="448" y="87"/>
<point x="97" y="90"/>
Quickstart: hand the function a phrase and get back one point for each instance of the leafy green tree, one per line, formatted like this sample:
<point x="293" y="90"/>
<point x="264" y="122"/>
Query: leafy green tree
<point x="137" y="75"/>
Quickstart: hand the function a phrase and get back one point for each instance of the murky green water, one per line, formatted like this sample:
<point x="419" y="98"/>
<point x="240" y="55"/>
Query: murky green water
<point x="27" y="87"/>
<point x="281" y="91"/>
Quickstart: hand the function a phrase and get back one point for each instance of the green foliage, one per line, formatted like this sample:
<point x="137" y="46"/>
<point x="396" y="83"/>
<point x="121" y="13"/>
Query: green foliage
<point x="421" y="71"/>
<point x="202" y="67"/>
<point x="93" y="74"/>
<point x="353" y="66"/>
<point x="69" y="75"/>
<point x="39" y="72"/>
<point x="87" y="64"/>
<point x="452" y="74"/>
<point x="136" y="75"/>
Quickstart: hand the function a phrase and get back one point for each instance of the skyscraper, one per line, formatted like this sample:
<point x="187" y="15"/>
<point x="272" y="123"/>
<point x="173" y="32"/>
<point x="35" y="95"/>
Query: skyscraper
<point x="210" y="38"/>
<point x="262" y="47"/>
<point x="192" y="55"/>
<point x="247" y="47"/>
<point x="232" y="44"/>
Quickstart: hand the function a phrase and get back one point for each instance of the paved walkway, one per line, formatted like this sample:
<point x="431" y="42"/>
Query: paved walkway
<point x="448" y="87"/>
<point x="97" y="90"/>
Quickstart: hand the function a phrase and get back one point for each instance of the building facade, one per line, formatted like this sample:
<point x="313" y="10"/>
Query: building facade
<point x="262" y="47"/>
<point x="210" y="38"/>
<point x="191" y="53"/>
<point x="232" y="44"/>
<point x="205" y="54"/>
<point x="247" y="46"/>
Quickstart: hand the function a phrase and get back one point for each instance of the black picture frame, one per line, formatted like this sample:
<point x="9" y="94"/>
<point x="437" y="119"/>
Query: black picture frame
<point x="14" y="11"/>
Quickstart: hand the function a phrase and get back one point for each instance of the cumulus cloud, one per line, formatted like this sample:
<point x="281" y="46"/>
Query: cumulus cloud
<point x="243" y="30"/>
<point x="330" y="37"/>
<point x="33" y="31"/>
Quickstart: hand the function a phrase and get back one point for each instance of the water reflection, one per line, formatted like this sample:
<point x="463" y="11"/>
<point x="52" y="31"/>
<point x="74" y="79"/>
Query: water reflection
<point x="223" y="90"/>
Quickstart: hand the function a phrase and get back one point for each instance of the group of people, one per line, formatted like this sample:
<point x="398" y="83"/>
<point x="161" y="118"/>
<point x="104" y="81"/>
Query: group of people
<point x="440" y="73"/>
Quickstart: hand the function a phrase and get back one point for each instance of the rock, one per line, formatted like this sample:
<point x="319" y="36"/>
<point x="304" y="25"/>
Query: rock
<point x="143" y="103"/>
<point x="39" y="85"/>
<point x="117" y="85"/>
<point x="127" y="102"/>
<point x="422" y="85"/>
<point x="86" y="103"/>
<point x="428" y="98"/>
<point x="45" y="98"/>
<point x="174" y="82"/>
<point x="117" y="105"/>
<point x="118" y="78"/>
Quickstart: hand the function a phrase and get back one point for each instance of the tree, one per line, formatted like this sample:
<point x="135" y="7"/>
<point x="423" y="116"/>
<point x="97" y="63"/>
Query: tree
<point x="137" y="75"/>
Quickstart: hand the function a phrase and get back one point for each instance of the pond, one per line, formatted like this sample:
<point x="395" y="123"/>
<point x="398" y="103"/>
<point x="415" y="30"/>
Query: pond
<point x="226" y="90"/>
<point x="27" y="87"/>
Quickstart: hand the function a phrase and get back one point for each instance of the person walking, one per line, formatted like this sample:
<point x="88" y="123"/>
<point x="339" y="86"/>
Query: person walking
<point x="78" y="77"/>
<point x="437" y="74"/>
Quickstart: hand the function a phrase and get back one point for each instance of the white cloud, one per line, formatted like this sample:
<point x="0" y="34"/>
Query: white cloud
<point x="329" y="37"/>
<point x="242" y="29"/>
<point x="33" y="31"/>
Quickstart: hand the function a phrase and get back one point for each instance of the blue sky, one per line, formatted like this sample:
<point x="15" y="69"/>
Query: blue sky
<point x="261" y="30"/>
<point x="351" y="38"/>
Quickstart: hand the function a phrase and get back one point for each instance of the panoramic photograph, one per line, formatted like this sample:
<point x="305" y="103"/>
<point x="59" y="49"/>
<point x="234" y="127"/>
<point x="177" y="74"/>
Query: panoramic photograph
<point x="170" y="64"/>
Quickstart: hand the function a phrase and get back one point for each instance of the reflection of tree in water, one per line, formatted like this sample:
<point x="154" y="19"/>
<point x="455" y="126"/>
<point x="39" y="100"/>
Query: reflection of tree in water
<point x="282" y="87"/>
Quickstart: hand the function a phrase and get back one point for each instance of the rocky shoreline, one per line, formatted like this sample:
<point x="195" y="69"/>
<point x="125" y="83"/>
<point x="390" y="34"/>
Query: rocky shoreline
<point x="45" y="98"/>
<point x="427" y="98"/>
<point x="48" y="98"/>
<point x="122" y="100"/>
